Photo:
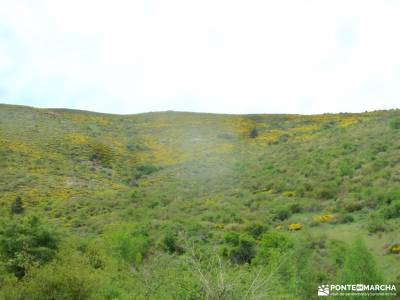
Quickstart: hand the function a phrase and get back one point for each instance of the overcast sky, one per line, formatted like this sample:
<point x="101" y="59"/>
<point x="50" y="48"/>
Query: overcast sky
<point x="278" y="56"/>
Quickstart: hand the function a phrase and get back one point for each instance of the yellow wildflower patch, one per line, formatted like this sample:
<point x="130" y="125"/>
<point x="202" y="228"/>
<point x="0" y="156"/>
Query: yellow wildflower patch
<point x="395" y="249"/>
<point x="219" y="226"/>
<point x="294" y="227"/>
<point x="77" y="139"/>
<point x="323" y="218"/>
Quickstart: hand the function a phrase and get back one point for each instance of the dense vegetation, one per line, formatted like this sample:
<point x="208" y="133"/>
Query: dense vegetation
<point x="196" y="206"/>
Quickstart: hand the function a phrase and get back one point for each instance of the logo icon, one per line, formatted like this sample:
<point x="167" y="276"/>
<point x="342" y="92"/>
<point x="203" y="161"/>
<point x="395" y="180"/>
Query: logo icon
<point x="359" y="287"/>
<point x="323" y="290"/>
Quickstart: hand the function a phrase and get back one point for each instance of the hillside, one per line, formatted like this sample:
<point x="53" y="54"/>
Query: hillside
<point x="163" y="205"/>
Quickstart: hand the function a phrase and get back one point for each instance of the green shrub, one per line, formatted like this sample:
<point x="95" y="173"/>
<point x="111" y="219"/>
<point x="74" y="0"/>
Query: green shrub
<point x="375" y="196"/>
<point x="352" y="206"/>
<point x="26" y="242"/>
<point x="140" y="171"/>
<point x="376" y="224"/>
<point x="128" y="243"/>
<point x="146" y="169"/>
<point x="379" y="147"/>
<point x="94" y="253"/>
<point x="346" y="169"/>
<point x="253" y="133"/>
<point x="273" y="243"/>
<point x="170" y="243"/>
<point x="17" y="206"/>
<point x="326" y="191"/>
<point x="65" y="278"/>
<point x="240" y="248"/>
<point x="346" y="218"/>
<point x="256" y="229"/>
<point x="296" y="208"/>
<point x="282" y="214"/>
<point x="101" y="153"/>
<point x="392" y="211"/>
<point x="394" y="123"/>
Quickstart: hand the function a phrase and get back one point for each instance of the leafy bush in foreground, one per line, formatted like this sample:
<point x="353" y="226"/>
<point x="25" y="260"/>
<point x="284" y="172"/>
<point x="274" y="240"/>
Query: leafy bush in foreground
<point x="24" y="243"/>
<point x="272" y="244"/>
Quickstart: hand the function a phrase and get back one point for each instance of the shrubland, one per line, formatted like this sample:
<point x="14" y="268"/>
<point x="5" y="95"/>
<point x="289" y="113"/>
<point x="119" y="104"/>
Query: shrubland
<point x="196" y="206"/>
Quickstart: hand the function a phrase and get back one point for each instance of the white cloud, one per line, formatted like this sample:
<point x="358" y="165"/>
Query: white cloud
<point x="217" y="56"/>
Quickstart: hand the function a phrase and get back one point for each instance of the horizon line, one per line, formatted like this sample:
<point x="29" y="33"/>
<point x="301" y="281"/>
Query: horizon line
<point x="191" y="112"/>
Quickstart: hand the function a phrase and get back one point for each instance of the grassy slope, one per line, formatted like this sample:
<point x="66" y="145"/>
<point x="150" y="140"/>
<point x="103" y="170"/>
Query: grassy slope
<point x="77" y="169"/>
